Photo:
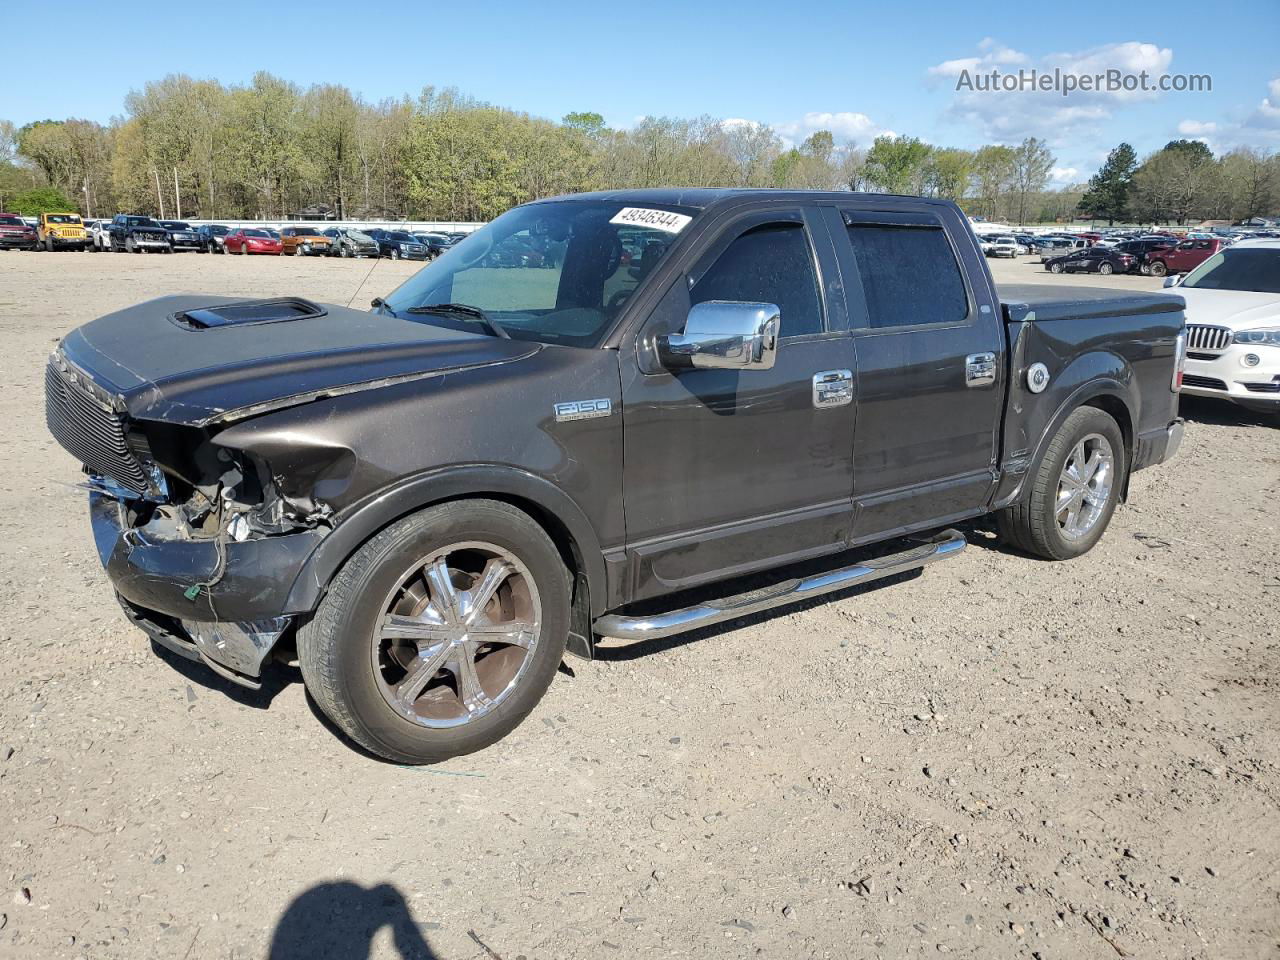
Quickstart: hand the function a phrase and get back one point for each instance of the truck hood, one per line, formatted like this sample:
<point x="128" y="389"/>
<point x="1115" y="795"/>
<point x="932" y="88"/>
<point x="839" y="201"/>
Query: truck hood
<point x="156" y="364"/>
<point x="1237" y="309"/>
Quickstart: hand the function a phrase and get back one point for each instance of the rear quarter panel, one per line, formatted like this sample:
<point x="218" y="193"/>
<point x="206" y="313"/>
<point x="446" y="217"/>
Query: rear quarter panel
<point x="1098" y="350"/>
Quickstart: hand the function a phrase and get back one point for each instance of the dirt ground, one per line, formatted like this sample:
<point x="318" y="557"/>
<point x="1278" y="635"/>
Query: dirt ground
<point x="999" y="757"/>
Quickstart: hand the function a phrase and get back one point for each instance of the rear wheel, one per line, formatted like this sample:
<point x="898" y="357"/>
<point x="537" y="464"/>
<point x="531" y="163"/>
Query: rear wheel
<point x="1106" y="269"/>
<point x="440" y="634"/>
<point x="1073" y="491"/>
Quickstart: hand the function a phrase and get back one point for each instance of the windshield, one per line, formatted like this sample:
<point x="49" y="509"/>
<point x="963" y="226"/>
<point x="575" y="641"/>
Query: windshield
<point x="402" y="237"/>
<point x="1253" y="270"/>
<point x="12" y="221"/>
<point x="175" y="225"/>
<point x="305" y="232"/>
<point x="553" y="272"/>
<point x="62" y="218"/>
<point x="141" y="222"/>
<point x="260" y="234"/>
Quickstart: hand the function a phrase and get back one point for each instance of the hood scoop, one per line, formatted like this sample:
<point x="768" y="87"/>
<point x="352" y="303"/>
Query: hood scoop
<point x="247" y="312"/>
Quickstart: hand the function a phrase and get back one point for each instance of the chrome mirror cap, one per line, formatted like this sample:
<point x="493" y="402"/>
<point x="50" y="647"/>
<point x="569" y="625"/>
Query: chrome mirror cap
<point x="725" y="335"/>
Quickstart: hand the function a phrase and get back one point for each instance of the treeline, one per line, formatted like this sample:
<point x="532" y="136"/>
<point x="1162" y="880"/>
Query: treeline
<point x="1182" y="182"/>
<point x="270" y="148"/>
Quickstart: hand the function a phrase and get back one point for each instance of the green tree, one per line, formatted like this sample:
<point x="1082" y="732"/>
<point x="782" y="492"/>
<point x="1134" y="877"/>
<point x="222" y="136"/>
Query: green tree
<point x="993" y="172"/>
<point x="1108" y="193"/>
<point x="32" y="203"/>
<point x="948" y="173"/>
<point x="587" y="122"/>
<point x="1032" y="162"/>
<point x="897" y="164"/>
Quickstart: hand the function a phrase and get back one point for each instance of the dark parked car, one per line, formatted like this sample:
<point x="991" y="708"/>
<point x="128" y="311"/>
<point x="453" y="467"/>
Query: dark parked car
<point x="182" y="236"/>
<point x="436" y="243"/>
<point x="252" y="241"/>
<point x="212" y="236"/>
<point x="15" y="234"/>
<point x="1095" y="259"/>
<point x="398" y="245"/>
<point x="429" y="504"/>
<point x="350" y="242"/>
<point x="132" y="234"/>
<point x="1142" y="249"/>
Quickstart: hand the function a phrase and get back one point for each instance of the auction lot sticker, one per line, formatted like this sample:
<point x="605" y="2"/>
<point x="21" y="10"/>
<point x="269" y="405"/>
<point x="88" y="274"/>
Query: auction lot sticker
<point x="657" y="219"/>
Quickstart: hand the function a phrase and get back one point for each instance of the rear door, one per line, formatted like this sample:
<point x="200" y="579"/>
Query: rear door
<point x="930" y="346"/>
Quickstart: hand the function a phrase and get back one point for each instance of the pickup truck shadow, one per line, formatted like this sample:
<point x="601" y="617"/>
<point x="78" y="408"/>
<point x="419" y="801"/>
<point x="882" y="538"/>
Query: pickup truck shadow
<point x="1223" y="413"/>
<point x="275" y="677"/>
<point x="339" y="920"/>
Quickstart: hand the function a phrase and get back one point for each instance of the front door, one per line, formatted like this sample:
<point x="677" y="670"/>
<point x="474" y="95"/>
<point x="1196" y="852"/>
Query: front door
<point x="728" y="471"/>
<point x="928" y="333"/>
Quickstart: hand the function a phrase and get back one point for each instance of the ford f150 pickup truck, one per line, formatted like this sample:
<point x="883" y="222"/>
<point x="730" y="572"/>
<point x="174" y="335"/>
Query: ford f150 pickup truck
<point x="429" y="502"/>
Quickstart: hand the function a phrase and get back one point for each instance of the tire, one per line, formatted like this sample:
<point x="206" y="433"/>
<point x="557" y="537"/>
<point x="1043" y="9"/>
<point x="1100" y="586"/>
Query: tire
<point x="344" y="253"/>
<point x="130" y="246"/>
<point x="1106" y="269"/>
<point x="395" y="253"/>
<point x="1035" y="524"/>
<point x="1158" y="268"/>
<point x="352" y="676"/>
<point x="48" y="244"/>
<point x="1055" y="268"/>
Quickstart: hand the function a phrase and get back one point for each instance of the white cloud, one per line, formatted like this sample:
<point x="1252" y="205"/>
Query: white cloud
<point x="1064" y="175"/>
<point x="1008" y="116"/>
<point x="1194" y="128"/>
<point x="1267" y="114"/>
<point x="844" y="125"/>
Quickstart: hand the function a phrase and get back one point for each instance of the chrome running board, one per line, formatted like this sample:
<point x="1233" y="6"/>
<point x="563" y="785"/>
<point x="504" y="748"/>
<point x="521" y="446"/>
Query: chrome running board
<point x="948" y="543"/>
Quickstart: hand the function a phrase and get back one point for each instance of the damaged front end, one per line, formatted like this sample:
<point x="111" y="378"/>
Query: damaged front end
<point x="203" y="544"/>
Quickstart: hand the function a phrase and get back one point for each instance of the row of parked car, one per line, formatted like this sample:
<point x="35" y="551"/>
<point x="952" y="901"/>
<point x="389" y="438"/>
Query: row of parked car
<point x="129" y="233"/>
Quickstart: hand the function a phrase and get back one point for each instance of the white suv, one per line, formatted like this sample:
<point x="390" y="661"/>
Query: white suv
<point x="1233" y="325"/>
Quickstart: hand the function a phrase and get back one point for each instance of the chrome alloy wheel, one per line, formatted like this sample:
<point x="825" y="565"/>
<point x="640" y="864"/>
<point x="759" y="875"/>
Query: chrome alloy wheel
<point x="456" y="635"/>
<point x="1084" y="486"/>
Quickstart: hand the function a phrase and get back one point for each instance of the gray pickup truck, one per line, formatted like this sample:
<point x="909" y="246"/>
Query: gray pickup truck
<point x="605" y="415"/>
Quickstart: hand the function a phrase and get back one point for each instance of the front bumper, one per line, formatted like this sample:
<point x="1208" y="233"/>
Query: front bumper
<point x="21" y="241"/>
<point x="312" y="249"/>
<point x="1157" y="446"/>
<point x="187" y="580"/>
<point x="79" y="242"/>
<point x="186" y="243"/>
<point x="146" y="243"/>
<point x="1227" y="376"/>
<point x="228" y="612"/>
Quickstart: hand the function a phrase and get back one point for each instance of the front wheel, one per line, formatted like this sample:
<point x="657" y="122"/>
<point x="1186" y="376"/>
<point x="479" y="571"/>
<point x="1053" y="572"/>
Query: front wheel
<point x="441" y="634"/>
<point x="1072" y="492"/>
<point x="1106" y="269"/>
<point x="1055" y="268"/>
<point x="1158" y="268"/>
<point x="395" y="254"/>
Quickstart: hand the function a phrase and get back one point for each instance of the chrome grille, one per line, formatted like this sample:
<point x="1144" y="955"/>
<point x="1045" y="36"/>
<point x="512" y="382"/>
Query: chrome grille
<point x="1201" y="337"/>
<point x="88" y="430"/>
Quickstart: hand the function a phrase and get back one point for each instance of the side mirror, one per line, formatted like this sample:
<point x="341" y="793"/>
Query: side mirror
<point x="1174" y="280"/>
<point x="724" y="335"/>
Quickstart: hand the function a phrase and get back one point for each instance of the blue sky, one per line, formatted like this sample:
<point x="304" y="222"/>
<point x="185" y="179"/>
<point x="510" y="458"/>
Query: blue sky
<point x="798" y="66"/>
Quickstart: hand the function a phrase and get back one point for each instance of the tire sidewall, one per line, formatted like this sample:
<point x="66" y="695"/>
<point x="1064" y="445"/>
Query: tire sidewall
<point x="417" y="537"/>
<point x="1081" y="423"/>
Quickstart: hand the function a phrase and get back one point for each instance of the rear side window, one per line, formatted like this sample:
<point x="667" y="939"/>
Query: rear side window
<point x="909" y="275"/>
<point x="768" y="264"/>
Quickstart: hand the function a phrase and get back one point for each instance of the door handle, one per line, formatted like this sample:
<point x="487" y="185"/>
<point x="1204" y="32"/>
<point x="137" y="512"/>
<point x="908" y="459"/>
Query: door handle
<point x="832" y="388"/>
<point x="979" y="369"/>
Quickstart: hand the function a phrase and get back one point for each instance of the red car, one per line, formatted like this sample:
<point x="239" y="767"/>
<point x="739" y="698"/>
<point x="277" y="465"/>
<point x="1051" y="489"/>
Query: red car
<point x="251" y="241"/>
<point x="15" y="233"/>
<point x="1183" y="258"/>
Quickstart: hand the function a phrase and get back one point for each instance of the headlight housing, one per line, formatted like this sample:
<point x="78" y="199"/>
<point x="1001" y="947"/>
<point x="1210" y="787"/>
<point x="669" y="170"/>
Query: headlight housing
<point x="1261" y="337"/>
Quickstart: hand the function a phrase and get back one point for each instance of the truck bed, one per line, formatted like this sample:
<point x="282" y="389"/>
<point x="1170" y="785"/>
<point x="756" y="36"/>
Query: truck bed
<point x="1067" y="301"/>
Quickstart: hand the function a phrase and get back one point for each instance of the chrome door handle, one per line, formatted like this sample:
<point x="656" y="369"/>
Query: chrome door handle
<point x="832" y="388"/>
<point x="979" y="369"/>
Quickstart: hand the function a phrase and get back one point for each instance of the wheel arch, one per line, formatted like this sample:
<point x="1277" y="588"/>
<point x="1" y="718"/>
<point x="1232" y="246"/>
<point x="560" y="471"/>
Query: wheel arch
<point x="549" y="506"/>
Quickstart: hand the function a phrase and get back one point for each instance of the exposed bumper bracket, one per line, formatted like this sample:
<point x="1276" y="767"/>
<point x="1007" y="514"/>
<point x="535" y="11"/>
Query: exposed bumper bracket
<point x="939" y="547"/>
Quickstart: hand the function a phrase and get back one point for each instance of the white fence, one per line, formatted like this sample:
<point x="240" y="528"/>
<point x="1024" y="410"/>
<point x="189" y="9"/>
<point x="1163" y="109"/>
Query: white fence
<point x="412" y="226"/>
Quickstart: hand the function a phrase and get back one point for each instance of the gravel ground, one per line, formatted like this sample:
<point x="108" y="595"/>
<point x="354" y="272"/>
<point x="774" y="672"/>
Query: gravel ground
<point x="998" y="757"/>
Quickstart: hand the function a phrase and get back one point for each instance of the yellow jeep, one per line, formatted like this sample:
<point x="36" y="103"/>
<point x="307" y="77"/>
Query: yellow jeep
<point x="61" y="230"/>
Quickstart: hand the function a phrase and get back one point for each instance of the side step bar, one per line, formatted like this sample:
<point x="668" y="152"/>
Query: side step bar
<point x="946" y="544"/>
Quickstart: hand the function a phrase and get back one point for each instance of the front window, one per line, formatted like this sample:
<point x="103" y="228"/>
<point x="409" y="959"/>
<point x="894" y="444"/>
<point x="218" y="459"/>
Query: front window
<point x="141" y="222"/>
<point x="62" y="218"/>
<point x="12" y="221"/>
<point x="1251" y="270"/>
<point x="305" y="232"/>
<point x="260" y="234"/>
<point x="401" y="237"/>
<point x="557" y="272"/>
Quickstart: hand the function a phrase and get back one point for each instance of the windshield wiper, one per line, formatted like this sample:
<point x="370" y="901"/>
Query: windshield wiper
<point x="464" y="311"/>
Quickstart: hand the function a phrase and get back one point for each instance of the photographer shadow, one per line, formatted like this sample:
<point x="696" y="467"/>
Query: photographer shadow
<point x="338" y="920"/>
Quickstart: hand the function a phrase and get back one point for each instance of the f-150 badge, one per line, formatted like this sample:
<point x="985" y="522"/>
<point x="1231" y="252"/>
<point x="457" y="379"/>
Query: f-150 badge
<point x="583" y="409"/>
